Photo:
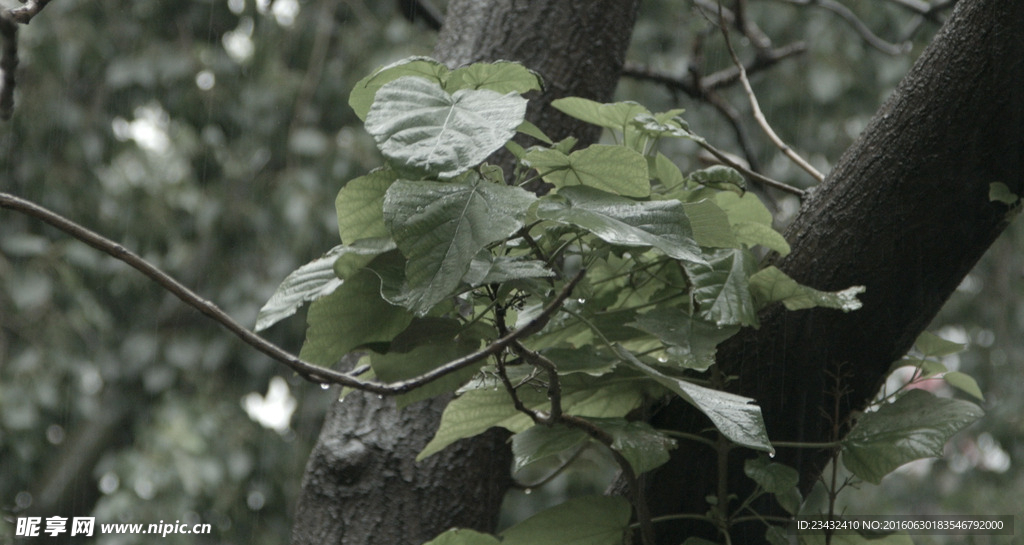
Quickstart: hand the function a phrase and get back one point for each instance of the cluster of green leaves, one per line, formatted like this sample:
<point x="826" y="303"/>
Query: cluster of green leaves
<point x="443" y="253"/>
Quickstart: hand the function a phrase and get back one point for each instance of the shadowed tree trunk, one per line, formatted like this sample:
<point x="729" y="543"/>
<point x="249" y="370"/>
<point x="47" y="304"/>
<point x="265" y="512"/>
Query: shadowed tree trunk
<point x="362" y="486"/>
<point x="906" y="213"/>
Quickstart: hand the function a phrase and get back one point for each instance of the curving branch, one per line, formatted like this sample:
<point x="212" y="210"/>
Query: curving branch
<point x="716" y="80"/>
<point x="307" y="370"/>
<point x="858" y="26"/>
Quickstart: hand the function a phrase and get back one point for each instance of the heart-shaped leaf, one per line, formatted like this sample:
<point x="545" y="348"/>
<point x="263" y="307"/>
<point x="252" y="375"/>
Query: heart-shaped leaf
<point x="418" y="125"/>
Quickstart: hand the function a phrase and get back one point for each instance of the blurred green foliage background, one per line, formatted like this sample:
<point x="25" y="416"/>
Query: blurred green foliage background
<point x="211" y="137"/>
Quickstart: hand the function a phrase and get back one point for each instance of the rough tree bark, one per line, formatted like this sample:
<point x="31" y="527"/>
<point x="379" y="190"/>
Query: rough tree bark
<point x="361" y="484"/>
<point x="906" y="213"/>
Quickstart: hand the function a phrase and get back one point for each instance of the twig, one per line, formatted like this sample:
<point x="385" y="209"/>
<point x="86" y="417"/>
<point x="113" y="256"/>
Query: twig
<point x="759" y="115"/>
<point x="307" y="370"/>
<point x="554" y="386"/>
<point x="765" y="59"/>
<point x="555" y="416"/>
<point x="858" y="26"/>
<point x="738" y="18"/>
<point x="715" y="80"/>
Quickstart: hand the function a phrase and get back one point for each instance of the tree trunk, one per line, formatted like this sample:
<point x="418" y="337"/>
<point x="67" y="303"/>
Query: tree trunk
<point x="906" y="213"/>
<point x="361" y="484"/>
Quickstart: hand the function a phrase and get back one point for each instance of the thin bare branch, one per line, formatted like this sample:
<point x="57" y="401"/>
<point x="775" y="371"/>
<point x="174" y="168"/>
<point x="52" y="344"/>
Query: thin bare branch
<point x="759" y="115"/>
<point x="763" y="60"/>
<point x="716" y="80"/>
<point x="738" y="18"/>
<point x="307" y="370"/>
<point x="858" y="26"/>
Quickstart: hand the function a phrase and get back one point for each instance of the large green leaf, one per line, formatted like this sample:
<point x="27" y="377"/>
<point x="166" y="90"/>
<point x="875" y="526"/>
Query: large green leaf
<point x="365" y="89"/>
<point x="665" y="171"/>
<point x="965" y="383"/>
<point x="475" y="411"/>
<point x="917" y="425"/>
<point x="931" y="345"/>
<point x="624" y="222"/>
<point x="501" y="77"/>
<point x="486" y="268"/>
<point x="773" y="477"/>
<point x="614" y="169"/>
<point x="771" y="284"/>
<point x="691" y="340"/>
<point x="640" y="444"/>
<point x="617" y="115"/>
<point x="540" y="442"/>
<point x="710" y="225"/>
<point x="589" y="520"/>
<point x="585" y="359"/>
<point x="440" y="227"/>
<point x="736" y="417"/>
<point x="307" y="283"/>
<point x="424" y="346"/>
<point x="360" y="206"/>
<point x="352" y="316"/>
<point x="721" y="288"/>
<point x="751" y="221"/>
<point x="418" y="125"/>
<point x="359" y="253"/>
